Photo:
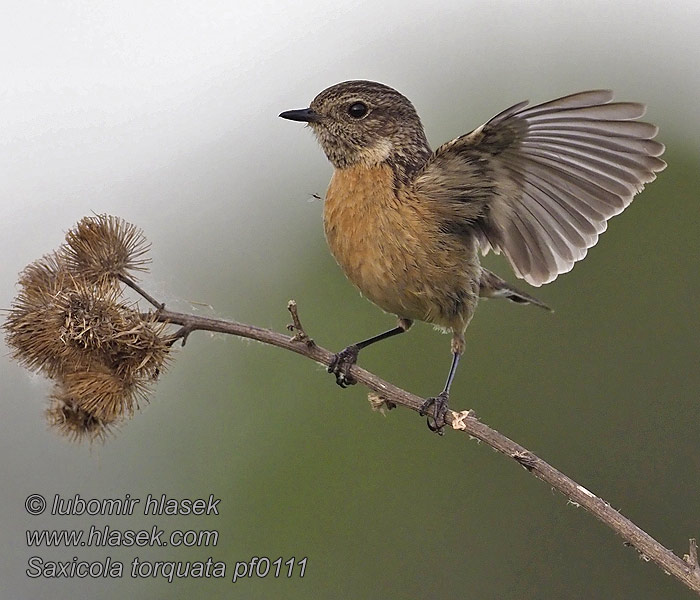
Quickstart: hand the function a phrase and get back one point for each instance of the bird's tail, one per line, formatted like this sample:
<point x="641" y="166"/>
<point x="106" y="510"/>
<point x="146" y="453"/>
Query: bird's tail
<point x="492" y="286"/>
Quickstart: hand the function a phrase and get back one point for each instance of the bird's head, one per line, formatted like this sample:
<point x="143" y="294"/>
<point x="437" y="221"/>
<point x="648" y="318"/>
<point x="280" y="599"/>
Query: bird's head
<point x="366" y="123"/>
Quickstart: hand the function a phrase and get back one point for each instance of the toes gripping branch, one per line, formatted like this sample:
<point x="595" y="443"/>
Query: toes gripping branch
<point x="341" y="364"/>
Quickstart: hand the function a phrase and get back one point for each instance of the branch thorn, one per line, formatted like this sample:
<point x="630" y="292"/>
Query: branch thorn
<point x="525" y="459"/>
<point x="692" y="558"/>
<point x="296" y="326"/>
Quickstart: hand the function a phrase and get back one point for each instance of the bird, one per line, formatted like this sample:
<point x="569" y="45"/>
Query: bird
<point x="407" y="225"/>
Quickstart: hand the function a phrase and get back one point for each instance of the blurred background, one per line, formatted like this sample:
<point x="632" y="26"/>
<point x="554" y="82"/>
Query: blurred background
<point x="165" y="114"/>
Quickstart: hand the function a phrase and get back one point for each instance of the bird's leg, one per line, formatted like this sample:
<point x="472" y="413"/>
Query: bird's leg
<point x="341" y="363"/>
<point x="440" y="402"/>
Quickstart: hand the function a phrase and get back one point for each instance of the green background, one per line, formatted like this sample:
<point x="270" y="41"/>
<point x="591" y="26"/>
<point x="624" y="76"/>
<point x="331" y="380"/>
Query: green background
<point x="165" y="114"/>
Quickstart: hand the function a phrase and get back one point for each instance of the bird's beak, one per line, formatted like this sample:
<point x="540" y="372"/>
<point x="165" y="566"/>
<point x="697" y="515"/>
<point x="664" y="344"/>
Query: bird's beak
<point x="305" y="115"/>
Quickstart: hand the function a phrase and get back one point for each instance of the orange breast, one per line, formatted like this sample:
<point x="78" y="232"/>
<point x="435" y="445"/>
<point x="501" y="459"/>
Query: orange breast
<point x="389" y="246"/>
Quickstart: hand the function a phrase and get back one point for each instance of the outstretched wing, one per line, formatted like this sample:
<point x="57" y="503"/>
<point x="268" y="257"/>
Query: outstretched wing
<point x="539" y="184"/>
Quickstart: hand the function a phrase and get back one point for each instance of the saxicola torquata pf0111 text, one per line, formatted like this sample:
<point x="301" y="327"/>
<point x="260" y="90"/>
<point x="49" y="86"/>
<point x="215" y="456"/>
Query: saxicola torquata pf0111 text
<point x="406" y="224"/>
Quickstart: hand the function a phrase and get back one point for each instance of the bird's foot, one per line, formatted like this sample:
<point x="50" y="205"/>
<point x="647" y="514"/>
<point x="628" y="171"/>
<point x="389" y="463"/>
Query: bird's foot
<point x="436" y="423"/>
<point x="341" y="363"/>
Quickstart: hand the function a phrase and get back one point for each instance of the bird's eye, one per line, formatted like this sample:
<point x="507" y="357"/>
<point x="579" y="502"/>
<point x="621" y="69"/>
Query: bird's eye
<point x="357" y="110"/>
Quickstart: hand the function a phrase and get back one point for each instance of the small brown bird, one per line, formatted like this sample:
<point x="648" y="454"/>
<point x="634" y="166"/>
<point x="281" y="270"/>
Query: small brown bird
<point x="406" y="224"/>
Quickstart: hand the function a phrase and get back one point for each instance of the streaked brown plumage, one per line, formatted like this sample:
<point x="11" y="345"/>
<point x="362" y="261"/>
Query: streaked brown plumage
<point x="406" y="224"/>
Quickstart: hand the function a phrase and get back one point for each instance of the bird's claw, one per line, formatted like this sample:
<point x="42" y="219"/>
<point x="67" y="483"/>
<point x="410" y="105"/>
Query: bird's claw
<point x="436" y="423"/>
<point x="340" y="366"/>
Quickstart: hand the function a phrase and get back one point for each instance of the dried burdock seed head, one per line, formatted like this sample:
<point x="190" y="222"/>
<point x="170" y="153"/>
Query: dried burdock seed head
<point x="71" y="421"/>
<point x="92" y="318"/>
<point x="102" y="248"/>
<point x="69" y="321"/>
<point x="36" y="320"/>
<point x="58" y="322"/>
<point x="130" y="344"/>
<point x="102" y="393"/>
<point x="141" y="349"/>
<point x="43" y="273"/>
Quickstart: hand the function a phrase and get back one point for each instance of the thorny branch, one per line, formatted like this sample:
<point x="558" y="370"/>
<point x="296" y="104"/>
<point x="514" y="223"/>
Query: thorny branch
<point x="70" y="323"/>
<point x="685" y="569"/>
